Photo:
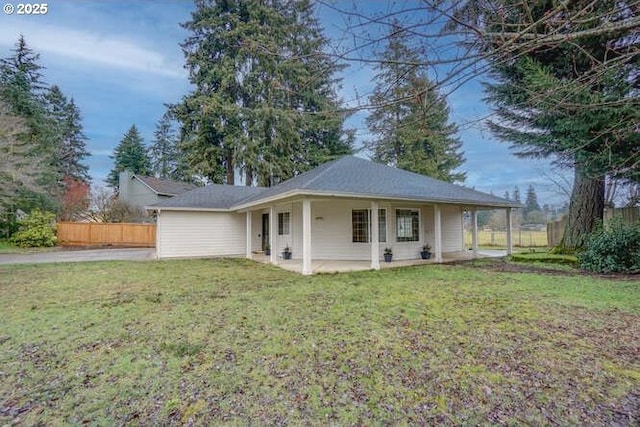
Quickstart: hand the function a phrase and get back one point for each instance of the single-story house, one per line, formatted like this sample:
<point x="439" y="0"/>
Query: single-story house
<point x="347" y="209"/>
<point x="140" y="191"/>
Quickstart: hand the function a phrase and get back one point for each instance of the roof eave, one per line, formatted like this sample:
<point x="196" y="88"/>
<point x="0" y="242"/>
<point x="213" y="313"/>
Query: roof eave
<point x="302" y="192"/>
<point x="186" y="209"/>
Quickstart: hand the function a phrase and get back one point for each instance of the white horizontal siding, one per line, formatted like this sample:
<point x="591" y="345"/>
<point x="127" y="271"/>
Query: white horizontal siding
<point x="331" y="230"/>
<point x="452" y="233"/>
<point x="331" y="234"/>
<point x="200" y="234"/>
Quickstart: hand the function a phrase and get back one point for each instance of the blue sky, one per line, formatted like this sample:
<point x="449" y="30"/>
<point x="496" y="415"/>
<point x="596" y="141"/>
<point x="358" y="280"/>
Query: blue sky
<point x="121" y="62"/>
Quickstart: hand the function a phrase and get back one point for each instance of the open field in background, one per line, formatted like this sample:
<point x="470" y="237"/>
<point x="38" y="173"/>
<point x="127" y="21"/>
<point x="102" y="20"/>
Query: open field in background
<point x="522" y="238"/>
<point x="231" y="341"/>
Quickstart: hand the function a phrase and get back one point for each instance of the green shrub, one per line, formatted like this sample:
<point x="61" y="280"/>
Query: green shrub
<point x="613" y="249"/>
<point x="38" y="229"/>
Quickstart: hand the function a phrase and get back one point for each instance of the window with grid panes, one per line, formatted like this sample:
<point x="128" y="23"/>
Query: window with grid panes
<point x="360" y="225"/>
<point x="283" y="223"/>
<point x="407" y="225"/>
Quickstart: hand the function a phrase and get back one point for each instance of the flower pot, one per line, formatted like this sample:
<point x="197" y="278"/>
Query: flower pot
<point x="267" y="252"/>
<point x="286" y="255"/>
<point x="425" y="254"/>
<point x="388" y="257"/>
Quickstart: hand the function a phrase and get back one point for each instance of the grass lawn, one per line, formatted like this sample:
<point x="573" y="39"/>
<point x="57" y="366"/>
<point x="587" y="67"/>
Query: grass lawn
<point x="5" y="246"/>
<point x="234" y="342"/>
<point x="10" y="248"/>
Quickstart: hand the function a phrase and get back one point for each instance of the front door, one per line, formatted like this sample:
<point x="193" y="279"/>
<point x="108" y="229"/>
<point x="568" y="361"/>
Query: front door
<point x="265" y="231"/>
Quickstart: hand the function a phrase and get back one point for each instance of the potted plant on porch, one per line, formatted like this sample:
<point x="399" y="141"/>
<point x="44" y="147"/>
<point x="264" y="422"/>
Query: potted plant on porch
<point x="267" y="250"/>
<point x="388" y="254"/>
<point x="425" y="253"/>
<point x="286" y="252"/>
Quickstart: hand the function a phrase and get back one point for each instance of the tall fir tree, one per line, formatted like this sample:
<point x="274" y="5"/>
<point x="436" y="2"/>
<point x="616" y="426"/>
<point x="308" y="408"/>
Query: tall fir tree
<point x="565" y="87"/>
<point x="265" y="92"/>
<point x="71" y="140"/>
<point x="22" y="90"/>
<point x="163" y="151"/>
<point x="131" y="155"/>
<point x="531" y="201"/>
<point x="516" y="194"/>
<point x="168" y="160"/>
<point x="410" y="119"/>
<point x="19" y="169"/>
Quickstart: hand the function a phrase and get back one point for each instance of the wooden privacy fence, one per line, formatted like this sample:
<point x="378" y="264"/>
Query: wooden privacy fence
<point x="629" y="215"/>
<point x="555" y="229"/>
<point x="106" y="234"/>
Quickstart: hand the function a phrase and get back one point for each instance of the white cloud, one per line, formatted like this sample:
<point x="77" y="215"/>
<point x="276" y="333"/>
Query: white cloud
<point x="99" y="49"/>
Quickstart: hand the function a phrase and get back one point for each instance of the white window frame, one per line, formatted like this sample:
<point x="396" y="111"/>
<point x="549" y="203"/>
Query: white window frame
<point x="368" y="227"/>
<point x="418" y="210"/>
<point x="284" y="227"/>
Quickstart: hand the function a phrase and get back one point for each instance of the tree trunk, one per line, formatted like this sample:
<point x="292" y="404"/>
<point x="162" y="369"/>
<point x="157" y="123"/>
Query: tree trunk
<point x="230" y="172"/>
<point x="248" y="181"/>
<point x="585" y="209"/>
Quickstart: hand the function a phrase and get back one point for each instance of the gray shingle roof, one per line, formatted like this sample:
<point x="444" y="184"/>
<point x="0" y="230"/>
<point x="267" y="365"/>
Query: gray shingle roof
<point x="353" y="175"/>
<point x="166" y="187"/>
<point x="342" y="177"/>
<point x="213" y="196"/>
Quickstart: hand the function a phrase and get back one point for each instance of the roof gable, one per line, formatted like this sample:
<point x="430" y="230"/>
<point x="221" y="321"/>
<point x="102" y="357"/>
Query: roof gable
<point x="165" y="187"/>
<point x="212" y="196"/>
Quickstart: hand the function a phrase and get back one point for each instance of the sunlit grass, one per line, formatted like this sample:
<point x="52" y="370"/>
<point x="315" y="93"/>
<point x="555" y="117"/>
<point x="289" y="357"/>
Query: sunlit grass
<point x="230" y="341"/>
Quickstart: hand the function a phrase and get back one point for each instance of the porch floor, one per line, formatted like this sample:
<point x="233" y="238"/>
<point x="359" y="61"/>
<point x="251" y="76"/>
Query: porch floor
<point x="335" y="266"/>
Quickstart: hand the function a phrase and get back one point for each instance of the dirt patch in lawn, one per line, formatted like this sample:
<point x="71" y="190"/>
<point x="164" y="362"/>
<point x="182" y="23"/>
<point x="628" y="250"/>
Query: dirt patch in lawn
<point x="506" y="266"/>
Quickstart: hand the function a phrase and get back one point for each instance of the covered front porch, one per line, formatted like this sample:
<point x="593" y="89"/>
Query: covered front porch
<point x="343" y="266"/>
<point x="329" y="234"/>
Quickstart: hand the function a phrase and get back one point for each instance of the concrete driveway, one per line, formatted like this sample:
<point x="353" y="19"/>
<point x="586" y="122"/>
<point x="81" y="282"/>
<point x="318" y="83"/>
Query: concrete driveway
<point x="135" y="254"/>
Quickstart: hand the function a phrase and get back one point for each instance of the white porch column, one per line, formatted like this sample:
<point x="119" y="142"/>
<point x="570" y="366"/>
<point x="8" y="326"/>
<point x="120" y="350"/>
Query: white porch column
<point x="437" y="233"/>
<point x="509" y="235"/>
<point x="375" y="237"/>
<point x="474" y="231"/>
<point x="273" y="229"/>
<point x="306" y="237"/>
<point x="249" y="235"/>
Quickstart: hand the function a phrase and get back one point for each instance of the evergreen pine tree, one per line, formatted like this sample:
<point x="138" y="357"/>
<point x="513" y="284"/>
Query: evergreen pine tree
<point x="516" y="194"/>
<point x="163" y="151"/>
<point x="18" y="165"/>
<point x="264" y="99"/>
<point x="71" y="141"/>
<point x="22" y="89"/>
<point x="131" y="155"/>
<point x="553" y="99"/>
<point x="410" y="120"/>
<point x="531" y="201"/>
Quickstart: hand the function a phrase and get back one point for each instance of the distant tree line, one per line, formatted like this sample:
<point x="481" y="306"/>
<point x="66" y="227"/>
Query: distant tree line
<point x="531" y="213"/>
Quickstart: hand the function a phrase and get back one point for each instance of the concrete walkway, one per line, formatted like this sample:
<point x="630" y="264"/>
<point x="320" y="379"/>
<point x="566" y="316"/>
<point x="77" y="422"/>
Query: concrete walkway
<point x="135" y="254"/>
